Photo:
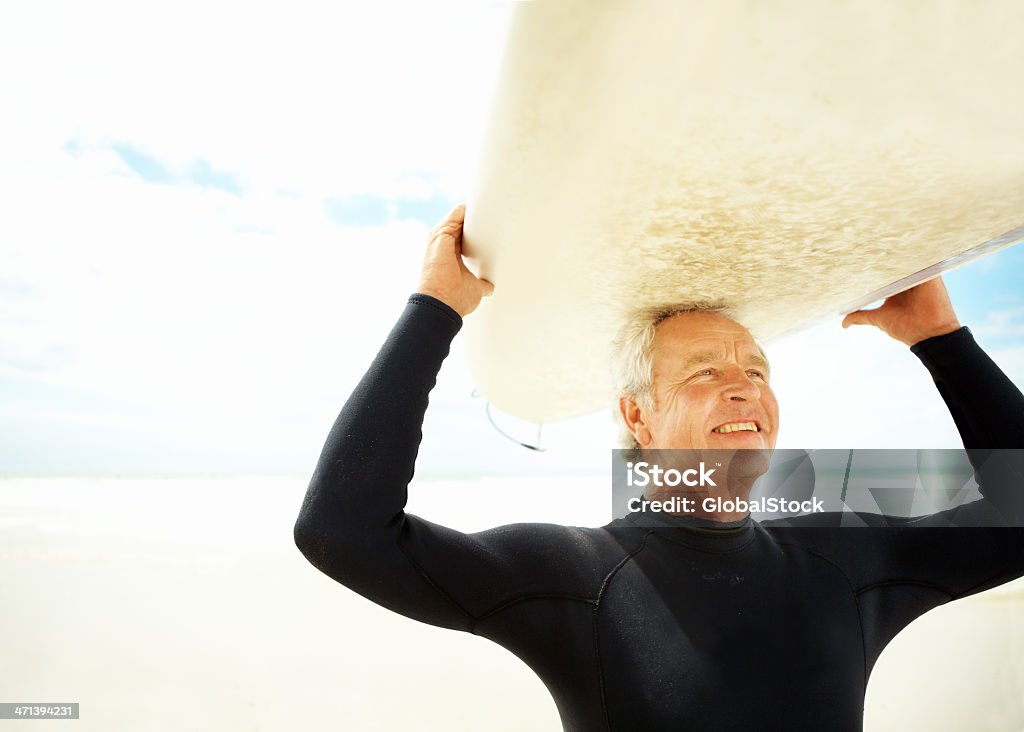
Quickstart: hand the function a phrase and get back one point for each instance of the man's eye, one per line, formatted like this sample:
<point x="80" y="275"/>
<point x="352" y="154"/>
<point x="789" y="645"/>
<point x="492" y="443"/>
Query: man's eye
<point x="757" y="373"/>
<point x="705" y="372"/>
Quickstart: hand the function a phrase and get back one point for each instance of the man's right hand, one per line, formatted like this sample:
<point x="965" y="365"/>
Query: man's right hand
<point x="913" y="315"/>
<point x="445" y="274"/>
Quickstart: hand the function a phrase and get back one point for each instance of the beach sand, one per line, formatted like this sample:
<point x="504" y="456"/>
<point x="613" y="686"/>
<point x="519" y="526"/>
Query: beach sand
<point x="184" y="605"/>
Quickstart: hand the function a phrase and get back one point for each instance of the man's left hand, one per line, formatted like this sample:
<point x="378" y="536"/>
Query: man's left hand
<point x="913" y="315"/>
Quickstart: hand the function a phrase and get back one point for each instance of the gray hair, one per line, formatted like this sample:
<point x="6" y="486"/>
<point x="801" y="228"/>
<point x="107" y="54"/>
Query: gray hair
<point x="632" y="358"/>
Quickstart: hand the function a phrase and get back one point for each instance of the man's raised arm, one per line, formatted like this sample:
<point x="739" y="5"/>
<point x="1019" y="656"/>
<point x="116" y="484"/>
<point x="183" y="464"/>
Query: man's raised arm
<point x="352" y="525"/>
<point x="986" y="406"/>
<point x="988" y="410"/>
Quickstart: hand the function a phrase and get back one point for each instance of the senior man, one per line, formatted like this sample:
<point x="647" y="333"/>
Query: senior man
<point x="685" y="622"/>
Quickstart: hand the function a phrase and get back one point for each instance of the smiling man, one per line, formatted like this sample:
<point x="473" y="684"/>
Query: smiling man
<point x="710" y="385"/>
<point x="714" y="622"/>
<point x="694" y="381"/>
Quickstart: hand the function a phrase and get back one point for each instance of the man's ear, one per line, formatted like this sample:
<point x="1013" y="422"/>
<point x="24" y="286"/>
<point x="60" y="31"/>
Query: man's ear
<point x="634" y="420"/>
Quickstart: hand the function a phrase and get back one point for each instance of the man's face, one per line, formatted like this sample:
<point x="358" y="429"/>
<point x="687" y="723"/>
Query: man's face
<point x="710" y="386"/>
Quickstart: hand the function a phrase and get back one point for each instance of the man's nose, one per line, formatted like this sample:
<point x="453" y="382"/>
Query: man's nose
<point x="741" y="388"/>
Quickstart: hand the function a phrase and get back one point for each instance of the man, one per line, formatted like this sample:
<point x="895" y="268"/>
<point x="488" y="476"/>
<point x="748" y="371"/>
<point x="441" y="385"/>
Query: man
<point x="696" y="623"/>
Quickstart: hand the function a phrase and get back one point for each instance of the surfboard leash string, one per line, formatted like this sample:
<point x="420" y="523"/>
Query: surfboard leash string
<point x="490" y="418"/>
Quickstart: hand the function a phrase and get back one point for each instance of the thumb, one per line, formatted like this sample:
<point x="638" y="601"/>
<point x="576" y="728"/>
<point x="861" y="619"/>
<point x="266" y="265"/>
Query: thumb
<point x="859" y="317"/>
<point x="488" y="287"/>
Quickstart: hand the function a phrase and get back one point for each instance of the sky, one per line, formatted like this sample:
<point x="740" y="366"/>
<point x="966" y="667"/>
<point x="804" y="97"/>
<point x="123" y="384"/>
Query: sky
<point x="212" y="214"/>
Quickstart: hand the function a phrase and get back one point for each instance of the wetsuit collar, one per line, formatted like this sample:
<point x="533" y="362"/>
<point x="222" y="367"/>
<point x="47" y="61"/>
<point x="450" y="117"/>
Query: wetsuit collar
<point x="668" y="520"/>
<point x="694" y="531"/>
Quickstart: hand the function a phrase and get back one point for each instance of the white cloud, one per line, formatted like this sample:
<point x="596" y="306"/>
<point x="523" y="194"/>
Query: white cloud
<point x="316" y="97"/>
<point x="195" y="302"/>
<point x="156" y="298"/>
<point x="1001" y="324"/>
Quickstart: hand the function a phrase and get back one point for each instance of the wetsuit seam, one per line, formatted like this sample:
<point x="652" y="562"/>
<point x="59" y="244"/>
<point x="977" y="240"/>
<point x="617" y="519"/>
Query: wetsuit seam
<point x="985" y="581"/>
<point x="534" y="596"/>
<point x="913" y="583"/>
<point x="854" y="593"/>
<point x="597" y="609"/>
<point x="435" y="306"/>
<point x="471" y="624"/>
<point x="933" y="586"/>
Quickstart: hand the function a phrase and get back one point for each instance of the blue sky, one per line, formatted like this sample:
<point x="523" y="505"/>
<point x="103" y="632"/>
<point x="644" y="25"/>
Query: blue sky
<point x="207" y="234"/>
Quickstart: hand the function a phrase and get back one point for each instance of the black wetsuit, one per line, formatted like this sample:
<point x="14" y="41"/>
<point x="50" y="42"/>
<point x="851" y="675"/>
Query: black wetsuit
<point x="744" y="626"/>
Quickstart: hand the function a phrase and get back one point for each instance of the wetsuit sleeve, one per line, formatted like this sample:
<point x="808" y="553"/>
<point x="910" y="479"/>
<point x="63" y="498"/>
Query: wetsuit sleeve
<point x="969" y="548"/>
<point x="979" y="545"/>
<point x="988" y="410"/>
<point x="353" y="526"/>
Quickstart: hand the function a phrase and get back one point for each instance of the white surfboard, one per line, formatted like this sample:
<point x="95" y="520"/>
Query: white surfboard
<point x="792" y="160"/>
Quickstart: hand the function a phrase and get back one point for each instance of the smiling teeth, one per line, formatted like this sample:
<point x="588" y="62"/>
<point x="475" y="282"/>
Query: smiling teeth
<point x="736" y="427"/>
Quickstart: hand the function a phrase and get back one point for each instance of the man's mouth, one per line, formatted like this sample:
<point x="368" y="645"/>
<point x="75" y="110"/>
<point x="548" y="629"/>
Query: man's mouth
<point x="737" y="427"/>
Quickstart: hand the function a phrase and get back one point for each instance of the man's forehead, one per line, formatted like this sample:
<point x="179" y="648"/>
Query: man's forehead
<point x="686" y="328"/>
<point x="704" y="335"/>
